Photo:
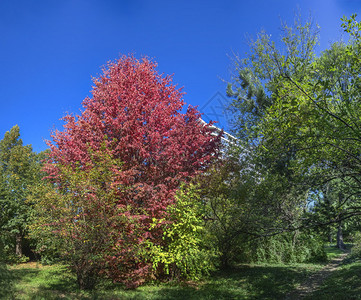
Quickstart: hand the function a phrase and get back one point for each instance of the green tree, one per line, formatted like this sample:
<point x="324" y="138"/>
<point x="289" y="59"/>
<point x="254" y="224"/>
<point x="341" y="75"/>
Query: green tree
<point x="329" y="201"/>
<point x="319" y="118"/>
<point x="310" y="130"/>
<point x="276" y="194"/>
<point x="300" y="116"/>
<point x="19" y="170"/>
<point x="254" y="89"/>
<point x="256" y="79"/>
<point x="189" y="249"/>
<point x="77" y="224"/>
<point x="246" y="209"/>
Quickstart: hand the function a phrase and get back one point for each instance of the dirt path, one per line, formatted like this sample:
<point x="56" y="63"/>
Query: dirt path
<point x="315" y="280"/>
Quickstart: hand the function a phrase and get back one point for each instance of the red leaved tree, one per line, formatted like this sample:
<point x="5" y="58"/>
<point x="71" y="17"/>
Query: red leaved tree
<point x="135" y="114"/>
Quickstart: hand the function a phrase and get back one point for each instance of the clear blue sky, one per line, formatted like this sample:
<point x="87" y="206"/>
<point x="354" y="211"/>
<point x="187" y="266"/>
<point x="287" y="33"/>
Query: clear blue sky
<point x="50" y="49"/>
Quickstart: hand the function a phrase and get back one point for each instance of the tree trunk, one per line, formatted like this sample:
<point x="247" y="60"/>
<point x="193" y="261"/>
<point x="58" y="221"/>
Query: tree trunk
<point x="18" y="244"/>
<point x="86" y="279"/>
<point x="340" y="243"/>
<point x="330" y="237"/>
<point x="294" y="239"/>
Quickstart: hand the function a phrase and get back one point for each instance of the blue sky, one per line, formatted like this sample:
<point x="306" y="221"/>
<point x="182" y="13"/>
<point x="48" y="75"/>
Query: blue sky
<point x="49" y="50"/>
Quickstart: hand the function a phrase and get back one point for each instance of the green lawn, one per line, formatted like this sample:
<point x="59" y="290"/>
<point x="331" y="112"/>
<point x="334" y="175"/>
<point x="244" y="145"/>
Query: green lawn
<point x="344" y="283"/>
<point x="34" y="281"/>
<point x="261" y="281"/>
<point x="332" y="251"/>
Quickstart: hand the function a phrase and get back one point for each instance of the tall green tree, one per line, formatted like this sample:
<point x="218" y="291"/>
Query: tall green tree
<point x="328" y="201"/>
<point x="301" y="113"/>
<point x="19" y="169"/>
<point x="254" y="89"/>
<point x="319" y="118"/>
<point x="255" y="80"/>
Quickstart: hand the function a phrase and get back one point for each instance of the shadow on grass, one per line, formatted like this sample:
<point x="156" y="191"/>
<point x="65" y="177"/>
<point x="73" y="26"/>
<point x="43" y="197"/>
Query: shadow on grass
<point x="243" y="282"/>
<point x="344" y="283"/>
<point x="6" y="283"/>
<point x="23" y="274"/>
<point x="33" y="281"/>
<point x="256" y="282"/>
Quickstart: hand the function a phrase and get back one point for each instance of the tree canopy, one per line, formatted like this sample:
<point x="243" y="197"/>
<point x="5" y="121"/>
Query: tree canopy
<point x="301" y="112"/>
<point x="134" y="127"/>
<point x="19" y="170"/>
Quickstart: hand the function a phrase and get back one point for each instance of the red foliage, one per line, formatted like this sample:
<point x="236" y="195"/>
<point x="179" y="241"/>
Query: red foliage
<point x="136" y="112"/>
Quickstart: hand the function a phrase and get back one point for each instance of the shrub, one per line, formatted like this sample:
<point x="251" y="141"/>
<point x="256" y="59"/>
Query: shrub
<point x="187" y="250"/>
<point x="356" y="249"/>
<point x="289" y="247"/>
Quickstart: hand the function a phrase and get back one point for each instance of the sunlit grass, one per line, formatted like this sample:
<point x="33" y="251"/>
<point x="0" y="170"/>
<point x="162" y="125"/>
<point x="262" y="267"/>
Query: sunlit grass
<point x="246" y="281"/>
<point x="344" y="283"/>
<point x="34" y="281"/>
<point x="332" y="251"/>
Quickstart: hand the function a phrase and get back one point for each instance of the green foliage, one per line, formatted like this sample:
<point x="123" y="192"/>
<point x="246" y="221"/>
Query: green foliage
<point x="246" y="205"/>
<point x="292" y="247"/>
<point x="75" y="224"/>
<point x="34" y="281"/>
<point x="229" y="214"/>
<point x="19" y="171"/>
<point x="356" y="249"/>
<point x="6" y="282"/>
<point x="257" y="78"/>
<point x="343" y="283"/>
<point x="48" y="246"/>
<point x="188" y="251"/>
<point x="270" y="196"/>
<point x="299" y="114"/>
<point x="351" y="26"/>
<point x="318" y="118"/>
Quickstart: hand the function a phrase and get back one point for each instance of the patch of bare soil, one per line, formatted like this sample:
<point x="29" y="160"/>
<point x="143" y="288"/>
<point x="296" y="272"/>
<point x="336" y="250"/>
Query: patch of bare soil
<point x="316" y="280"/>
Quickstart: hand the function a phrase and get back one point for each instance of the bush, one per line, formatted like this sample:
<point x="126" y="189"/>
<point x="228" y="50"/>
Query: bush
<point x="291" y="247"/>
<point x="7" y="251"/>
<point x="356" y="249"/>
<point x="188" y="251"/>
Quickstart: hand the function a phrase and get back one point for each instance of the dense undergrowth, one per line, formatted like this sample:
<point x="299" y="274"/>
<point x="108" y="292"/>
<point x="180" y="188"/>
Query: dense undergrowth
<point x="294" y="247"/>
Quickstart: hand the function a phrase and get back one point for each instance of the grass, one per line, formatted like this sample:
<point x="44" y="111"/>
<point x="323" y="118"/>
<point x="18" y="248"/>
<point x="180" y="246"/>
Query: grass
<point x="34" y="281"/>
<point x="344" y="283"/>
<point x="332" y="251"/>
<point x="252" y="281"/>
<point x="6" y="282"/>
